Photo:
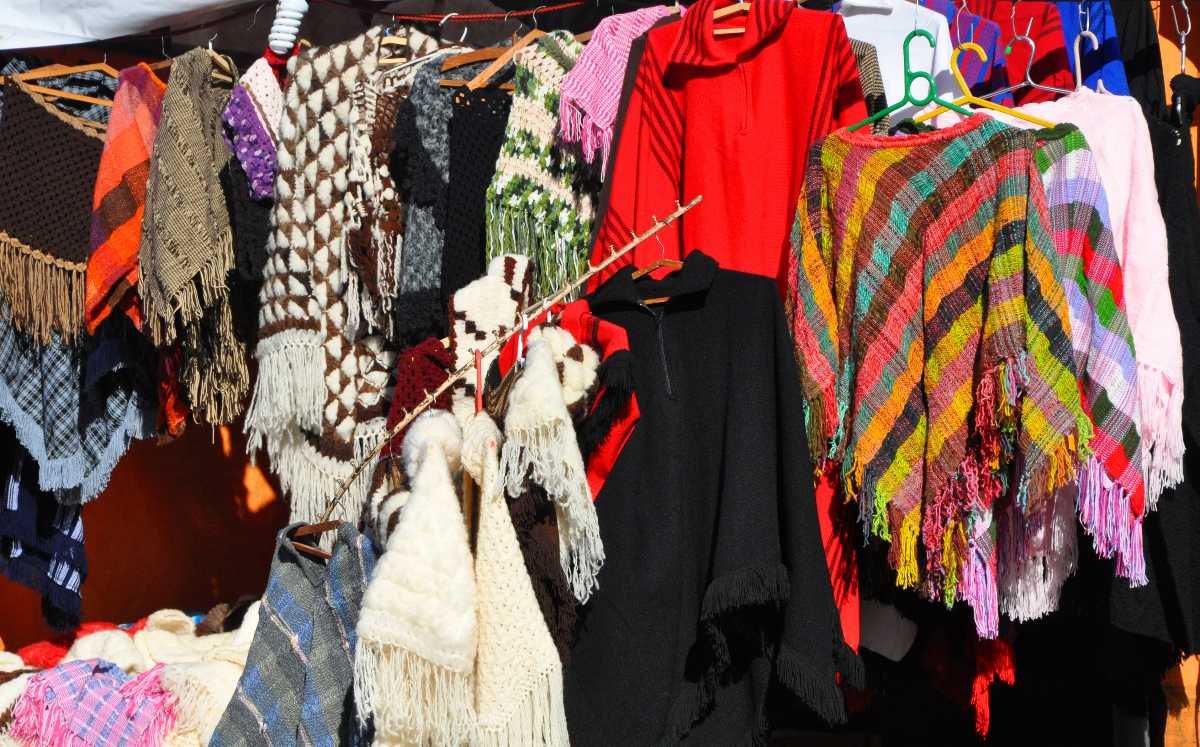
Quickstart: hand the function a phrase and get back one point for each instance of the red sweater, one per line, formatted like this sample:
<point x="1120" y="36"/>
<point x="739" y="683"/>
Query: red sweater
<point x="1051" y="67"/>
<point x="730" y="118"/>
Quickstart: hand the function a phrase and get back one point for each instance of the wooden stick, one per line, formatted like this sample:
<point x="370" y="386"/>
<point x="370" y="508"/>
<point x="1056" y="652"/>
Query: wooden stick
<point x="498" y="343"/>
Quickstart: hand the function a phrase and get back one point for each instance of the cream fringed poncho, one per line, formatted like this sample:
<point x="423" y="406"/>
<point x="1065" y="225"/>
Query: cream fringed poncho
<point x="414" y="665"/>
<point x="518" y="675"/>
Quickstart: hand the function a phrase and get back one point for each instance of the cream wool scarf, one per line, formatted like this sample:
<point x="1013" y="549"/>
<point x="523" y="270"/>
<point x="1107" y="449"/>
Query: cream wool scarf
<point x="540" y="446"/>
<point x="518" y="675"/>
<point x="414" y="665"/>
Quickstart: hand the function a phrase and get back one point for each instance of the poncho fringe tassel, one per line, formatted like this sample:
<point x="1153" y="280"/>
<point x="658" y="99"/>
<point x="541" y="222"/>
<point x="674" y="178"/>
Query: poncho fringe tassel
<point x="536" y="454"/>
<point x="1161" y="431"/>
<point x="45" y="295"/>
<point x="540" y="719"/>
<point x="426" y="703"/>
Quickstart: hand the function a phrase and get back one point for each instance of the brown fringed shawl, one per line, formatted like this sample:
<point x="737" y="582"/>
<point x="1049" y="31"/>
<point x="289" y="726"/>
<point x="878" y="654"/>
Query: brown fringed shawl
<point x="50" y="161"/>
<point x="187" y="243"/>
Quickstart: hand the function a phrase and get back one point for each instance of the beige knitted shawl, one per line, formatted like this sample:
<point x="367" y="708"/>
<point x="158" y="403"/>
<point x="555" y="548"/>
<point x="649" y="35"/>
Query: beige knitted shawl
<point x="187" y="242"/>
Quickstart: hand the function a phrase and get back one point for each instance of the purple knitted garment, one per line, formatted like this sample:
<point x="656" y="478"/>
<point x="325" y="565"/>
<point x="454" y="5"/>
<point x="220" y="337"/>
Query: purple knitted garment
<point x="252" y="120"/>
<point x="591" y="92"/>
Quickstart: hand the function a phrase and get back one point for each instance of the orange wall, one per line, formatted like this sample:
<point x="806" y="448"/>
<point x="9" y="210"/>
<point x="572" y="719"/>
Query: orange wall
<point x="184" y="525"/>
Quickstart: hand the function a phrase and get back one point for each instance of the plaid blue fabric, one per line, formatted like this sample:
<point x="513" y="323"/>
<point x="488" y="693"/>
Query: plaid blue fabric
<point x="76" y="442"/>
<point x="300" y="669"/>
<point x="93" y="83"/>
<point x="41" y="540"/>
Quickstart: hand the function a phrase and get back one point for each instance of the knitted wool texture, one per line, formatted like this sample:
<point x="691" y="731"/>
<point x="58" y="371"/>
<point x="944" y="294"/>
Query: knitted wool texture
<point x="421" y="161"/>
<point x="296" y="687"/>
<point x="252" y="125"/>
<point x="591" y="91"/>
<point x="482" y="311"/>
<point x="50" y="161"/>
<point x="414" y="665"/>
<point x="933" y="335"/>
<point x="538" y="203"/>
<point x="375" y="198"/>
<point x="540" y="447"/>
<point x="187" y="243"/>
<point x="120" y="198"/>
<point x="1110" y="481"/>
<point x="518" y="680"/>
<point x="318" y="402"/>
<point x="874" y="94"/>
<point x="476" y="133"/>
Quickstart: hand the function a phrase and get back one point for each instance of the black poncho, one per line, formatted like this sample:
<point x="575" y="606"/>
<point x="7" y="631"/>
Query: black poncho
<point x="714" y="583"/>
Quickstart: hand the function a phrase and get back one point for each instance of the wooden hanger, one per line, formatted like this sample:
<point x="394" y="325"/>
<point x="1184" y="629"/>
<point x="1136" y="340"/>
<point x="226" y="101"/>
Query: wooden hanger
<point x="657" y="264"/>
<point x="498" y="64"/>
<point x="57" y="70"/>
<point x="313" y="530"/>
<point x="469" y="58"/>
<point x="727" y="11"/>
<point x="972" y="99"/>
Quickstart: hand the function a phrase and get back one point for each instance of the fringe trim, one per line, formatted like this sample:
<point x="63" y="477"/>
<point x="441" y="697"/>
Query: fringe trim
<point x="290" y="387"/>
<point x="310" y="479"/>
<point x="577" y="126"/>
<point x="1039" y="553"/>
<point x="819" y="692"/>
<point x="45" y="295"/>
<point x="746" y="587"/>
<point x="1105" y="511"/>
<point x="557" y="261"/>
<point x="1161" y="430"/>
<point x="410" y="698"/>
<point x="68" y="473"/>
<point x="37" y="720"/>
<point x="216" y="383"/>
<point x="197" y="712"/>
<point x="540" y="718"/>
<point x="978" y="588"/>
<point x="540" y="454"/>
<point x="166" y="317"/>
<point x="907" y="570"/>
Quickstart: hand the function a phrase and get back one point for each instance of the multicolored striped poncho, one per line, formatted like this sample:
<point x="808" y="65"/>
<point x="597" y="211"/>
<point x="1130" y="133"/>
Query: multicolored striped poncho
<point x="934" y="338"/>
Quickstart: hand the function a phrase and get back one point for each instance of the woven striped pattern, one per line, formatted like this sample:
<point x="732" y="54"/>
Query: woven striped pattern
<point x="933" y="336"/>
<point x="1111" y="479"/>
<point x="538" y="203"/>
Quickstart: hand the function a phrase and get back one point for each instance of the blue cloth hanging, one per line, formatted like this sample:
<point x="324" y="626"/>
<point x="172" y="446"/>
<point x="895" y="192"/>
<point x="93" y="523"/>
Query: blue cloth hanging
<point x="1104" y="63"/>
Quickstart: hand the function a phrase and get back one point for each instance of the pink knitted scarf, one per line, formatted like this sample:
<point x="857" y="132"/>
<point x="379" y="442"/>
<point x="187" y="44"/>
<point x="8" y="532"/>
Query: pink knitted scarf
<point x="591" y="92"/>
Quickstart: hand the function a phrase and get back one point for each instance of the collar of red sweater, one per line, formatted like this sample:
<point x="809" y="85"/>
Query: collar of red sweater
<point x="697" y="46"/>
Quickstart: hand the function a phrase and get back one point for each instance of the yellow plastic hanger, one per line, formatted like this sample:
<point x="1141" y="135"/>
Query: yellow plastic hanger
<point x="971" y="98"/>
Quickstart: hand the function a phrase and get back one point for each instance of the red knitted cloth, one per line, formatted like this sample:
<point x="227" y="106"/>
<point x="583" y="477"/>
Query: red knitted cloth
<point x="419" y="370"/>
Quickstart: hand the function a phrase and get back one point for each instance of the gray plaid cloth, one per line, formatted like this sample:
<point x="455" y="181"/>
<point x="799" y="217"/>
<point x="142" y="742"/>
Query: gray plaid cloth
<point x="75" y="447"/>
<point x="296" y="688"/>
<point x="93" y="83"/>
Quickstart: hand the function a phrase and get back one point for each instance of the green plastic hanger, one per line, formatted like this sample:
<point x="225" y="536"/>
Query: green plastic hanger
<point x="910" y="75"/>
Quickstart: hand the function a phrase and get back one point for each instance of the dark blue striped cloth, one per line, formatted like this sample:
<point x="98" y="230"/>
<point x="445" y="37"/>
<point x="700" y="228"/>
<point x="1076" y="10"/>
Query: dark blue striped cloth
<point x="296" y="688"/>
<point x="41" y="540"/>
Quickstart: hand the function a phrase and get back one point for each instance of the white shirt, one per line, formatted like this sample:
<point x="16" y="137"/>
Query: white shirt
<point x="884" y="24"/>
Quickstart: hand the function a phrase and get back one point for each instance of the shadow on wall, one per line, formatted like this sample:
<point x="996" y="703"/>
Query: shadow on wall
<point x="184" y="525"/>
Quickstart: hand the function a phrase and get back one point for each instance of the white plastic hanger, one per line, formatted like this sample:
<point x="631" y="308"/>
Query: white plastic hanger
<point x="1085" y="32"/>
<point x="286" y="27"/>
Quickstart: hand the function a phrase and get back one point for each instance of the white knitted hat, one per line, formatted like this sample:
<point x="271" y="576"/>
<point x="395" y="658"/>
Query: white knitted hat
<point x="414" y="665"/>
<point x="518" y="675"/>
